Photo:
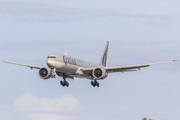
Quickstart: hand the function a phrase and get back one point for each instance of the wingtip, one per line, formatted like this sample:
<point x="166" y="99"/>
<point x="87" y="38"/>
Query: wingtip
<point x="5" y="61"/>
<point x="175" y="60"/>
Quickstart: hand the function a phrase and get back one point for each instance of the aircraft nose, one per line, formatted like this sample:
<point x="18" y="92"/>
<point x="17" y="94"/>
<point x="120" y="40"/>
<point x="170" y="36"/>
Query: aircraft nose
<point x="50" y="64"/>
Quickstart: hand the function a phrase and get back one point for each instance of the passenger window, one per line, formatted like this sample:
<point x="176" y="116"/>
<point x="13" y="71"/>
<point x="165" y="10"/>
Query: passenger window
<point x="51" y="57"/>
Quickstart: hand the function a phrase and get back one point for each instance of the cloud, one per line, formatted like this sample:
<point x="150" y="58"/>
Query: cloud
<point x="50" y="117"/>
<point x="33" y="12"/>
<point x="35" y="45"/>
<point x="6" y="116"/>
<point x="30" y="102"/>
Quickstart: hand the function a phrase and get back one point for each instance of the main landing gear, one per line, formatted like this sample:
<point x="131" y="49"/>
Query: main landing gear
<point x="64" y="82"/>
<point x="94" y="83"/>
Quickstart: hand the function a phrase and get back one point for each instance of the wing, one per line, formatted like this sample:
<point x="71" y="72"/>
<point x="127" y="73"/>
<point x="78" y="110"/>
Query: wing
<point x="129" y="68"/>
<point x="27" y="65"/>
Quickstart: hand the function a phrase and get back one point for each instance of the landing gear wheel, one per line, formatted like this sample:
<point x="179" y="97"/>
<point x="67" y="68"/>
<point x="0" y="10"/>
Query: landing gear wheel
<point x="66" y="83"/>
<point x="97" y="84"/>
<point x="53" y="76"/>
<point x="62" y="83"/>
<point x="94" y="83"/>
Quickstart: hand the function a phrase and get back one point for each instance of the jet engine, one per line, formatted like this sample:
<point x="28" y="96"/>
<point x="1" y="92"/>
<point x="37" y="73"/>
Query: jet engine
<point x="45" y="73"/>
<point x="99" y="73"/>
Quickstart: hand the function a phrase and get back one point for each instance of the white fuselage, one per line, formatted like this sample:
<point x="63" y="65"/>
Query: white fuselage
<point x="66" y="64"/>
<point x="69" y="67"/>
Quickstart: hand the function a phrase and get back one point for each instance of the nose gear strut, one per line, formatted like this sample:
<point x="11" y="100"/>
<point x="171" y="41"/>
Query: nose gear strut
<point x="53" y="74"/>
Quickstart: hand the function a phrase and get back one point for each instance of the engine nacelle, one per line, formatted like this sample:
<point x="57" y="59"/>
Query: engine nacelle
<point x="45" y="73"/>
<point x="99" y="73"/>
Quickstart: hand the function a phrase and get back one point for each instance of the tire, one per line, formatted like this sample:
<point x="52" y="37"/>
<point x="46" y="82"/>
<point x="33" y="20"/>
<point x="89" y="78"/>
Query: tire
<point x="67" y="84"/>
<point x="97" y="84"/>
<point x="92" y="83"/>
<point x="62" y="83"/>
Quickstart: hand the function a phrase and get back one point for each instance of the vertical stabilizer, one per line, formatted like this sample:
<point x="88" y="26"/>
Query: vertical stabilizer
<point x="104" y="56"/>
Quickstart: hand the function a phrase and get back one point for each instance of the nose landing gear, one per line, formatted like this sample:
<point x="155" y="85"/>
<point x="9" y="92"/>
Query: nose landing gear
<point x="53" y="74"/>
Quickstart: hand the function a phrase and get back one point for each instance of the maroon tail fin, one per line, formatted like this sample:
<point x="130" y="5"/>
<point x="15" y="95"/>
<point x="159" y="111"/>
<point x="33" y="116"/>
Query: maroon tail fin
<point x="104" y="56"/>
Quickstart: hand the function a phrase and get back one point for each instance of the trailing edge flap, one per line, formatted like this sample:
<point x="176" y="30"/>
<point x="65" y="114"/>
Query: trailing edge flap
<point x="118" y="70"/>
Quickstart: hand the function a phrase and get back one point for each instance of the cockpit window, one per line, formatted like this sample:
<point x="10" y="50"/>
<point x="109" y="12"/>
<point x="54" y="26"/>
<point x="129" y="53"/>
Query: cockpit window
<point x="52" y="57"/>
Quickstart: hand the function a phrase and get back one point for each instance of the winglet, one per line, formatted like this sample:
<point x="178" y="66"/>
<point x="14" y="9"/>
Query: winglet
<point x="4" y="60"/>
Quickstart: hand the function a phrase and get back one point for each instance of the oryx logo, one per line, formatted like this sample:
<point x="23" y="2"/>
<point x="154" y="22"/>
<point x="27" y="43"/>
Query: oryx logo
<point x="104" y="60"/>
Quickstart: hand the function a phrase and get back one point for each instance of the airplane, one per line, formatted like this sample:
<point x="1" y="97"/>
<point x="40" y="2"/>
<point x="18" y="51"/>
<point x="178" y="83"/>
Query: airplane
<point x="69" y="67"/>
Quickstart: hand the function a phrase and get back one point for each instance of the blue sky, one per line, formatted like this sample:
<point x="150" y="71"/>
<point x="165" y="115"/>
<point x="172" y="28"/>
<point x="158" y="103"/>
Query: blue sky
<point x="139" y="32"/>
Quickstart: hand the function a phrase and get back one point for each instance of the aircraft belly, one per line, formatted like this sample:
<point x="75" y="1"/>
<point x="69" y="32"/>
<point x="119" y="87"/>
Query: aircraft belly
<point x="68" y="69"/>
<point x="83" y="76"/>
